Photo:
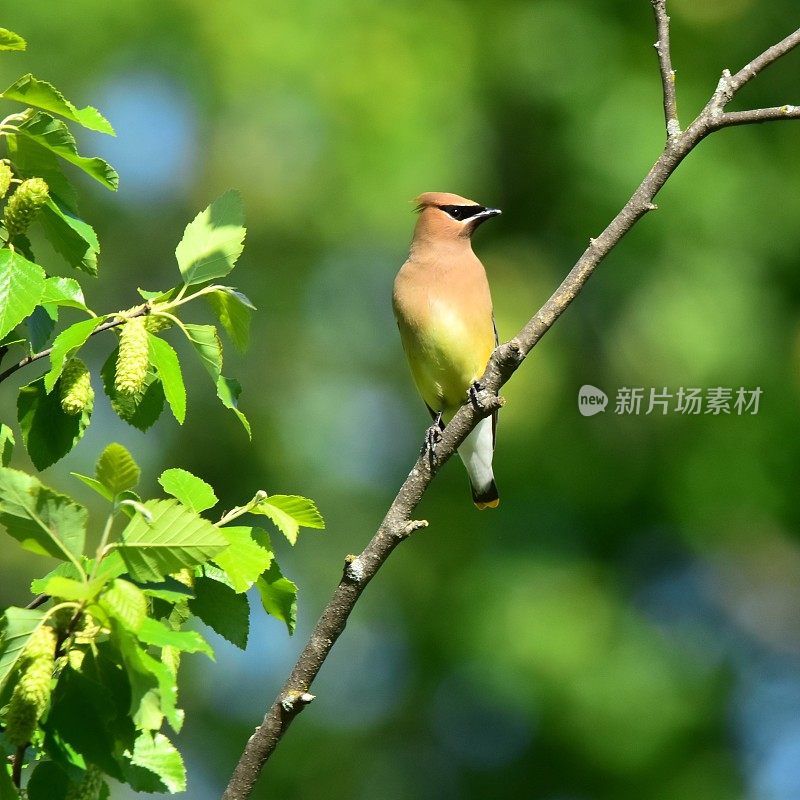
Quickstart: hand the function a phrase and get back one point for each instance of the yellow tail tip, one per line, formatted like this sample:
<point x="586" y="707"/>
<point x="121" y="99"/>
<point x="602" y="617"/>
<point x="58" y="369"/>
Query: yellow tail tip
<point x="490" y="504"/>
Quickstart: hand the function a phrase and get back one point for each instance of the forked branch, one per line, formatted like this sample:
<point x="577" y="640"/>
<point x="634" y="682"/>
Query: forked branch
<point x="397" y="524"/>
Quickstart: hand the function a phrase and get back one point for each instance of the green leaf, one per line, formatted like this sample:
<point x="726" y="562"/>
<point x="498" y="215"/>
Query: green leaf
<point x="18" y="625"/>
<point x="93" y="483"/>
<point x="212" y="241"/>
<point x="232" y="309"/>
<point x="244" y="560"/>
<point x="63" y="292"/>
<point x="21" y="287"/>
<point x="116" y="469"/>
<point x="71" y="237"/>
<point x="7" y="443"/>
<point x="290" y="512"/>
<point x="66" y="344"/>
<point x="165" y="361"/>
<point x="49" y="781"/>
<point x="278" y="596"/>
<point x="49" y="434"/>
<point x="205" y="340"/>
<point x="222" y="609"/>
<point x="169" y="590"/>
<point x="228" y="391"/>
<point x="159" y="635"/>
<point x="157" y="754"/>
<point x="7" y="789"/>
<point x="40" y="519"/>
<point x="141" y="411"/>
<point x="192" y="491"/>
<point x="126" y="603"/>
<point x="174" y="538"/>
<point x="32" y="160"/>
<point x="66" y="569"/>
<point x="41" y="324"/>
<point x="54" y="135"/>
<point x="40" y="94"/>
<point x="11" y="41"/>
<point x="70" y="589"/>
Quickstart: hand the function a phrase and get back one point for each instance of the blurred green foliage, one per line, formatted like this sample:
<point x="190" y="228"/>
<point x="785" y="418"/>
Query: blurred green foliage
<point x="625" y="626"/>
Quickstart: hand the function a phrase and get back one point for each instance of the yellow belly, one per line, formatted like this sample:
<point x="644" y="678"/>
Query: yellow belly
<point x="446" y="356"/>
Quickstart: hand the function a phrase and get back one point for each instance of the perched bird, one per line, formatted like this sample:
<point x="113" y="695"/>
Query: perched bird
<point x="443" y="307"/>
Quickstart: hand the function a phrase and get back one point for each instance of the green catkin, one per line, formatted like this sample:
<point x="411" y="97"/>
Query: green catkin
<point x="89" y="786"/>
<point x="23" y="206"/>
<point x="32" y="692"/>
<point x="156" y="324"/>
<point x="132" y="358"/>
<point x="5" y="178"/>
<point x="75" y="387"/>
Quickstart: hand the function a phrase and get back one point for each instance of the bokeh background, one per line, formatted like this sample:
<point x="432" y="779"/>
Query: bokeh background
<point x="627" y="624"/>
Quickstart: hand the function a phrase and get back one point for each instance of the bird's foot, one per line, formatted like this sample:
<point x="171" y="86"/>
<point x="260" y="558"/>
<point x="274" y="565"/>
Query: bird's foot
<point x="432" y="437"/>
<point x="473" y="393"/>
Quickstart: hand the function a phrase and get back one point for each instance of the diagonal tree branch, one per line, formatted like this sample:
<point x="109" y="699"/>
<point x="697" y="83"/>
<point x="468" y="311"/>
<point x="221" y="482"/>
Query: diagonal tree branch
<point x="398" y="524"/>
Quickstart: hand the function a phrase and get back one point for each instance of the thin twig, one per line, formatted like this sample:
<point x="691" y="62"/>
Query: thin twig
<point x="730" y="118"/>
<point x="662" y="47"/>
<point x="44" y="353"/>
<point x="396" y="526"/>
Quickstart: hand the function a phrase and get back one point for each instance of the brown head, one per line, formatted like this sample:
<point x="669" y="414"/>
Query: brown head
<point x="449" y="217"/>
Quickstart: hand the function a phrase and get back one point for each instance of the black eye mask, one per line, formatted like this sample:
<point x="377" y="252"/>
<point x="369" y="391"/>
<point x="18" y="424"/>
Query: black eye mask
<point x="462" y="212"/>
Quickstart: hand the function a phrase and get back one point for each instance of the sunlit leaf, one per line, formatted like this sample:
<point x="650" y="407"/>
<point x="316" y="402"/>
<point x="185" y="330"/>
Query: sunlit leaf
<point x="165" y="360"/>
<point x="21" y="287"/>
<point x="192" y="491"/>
<point x="290" y="513"/>
<point x="116" y="469"/>
<point x="278" y="596"/>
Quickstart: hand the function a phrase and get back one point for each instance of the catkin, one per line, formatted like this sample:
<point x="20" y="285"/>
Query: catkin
<point x="89" y="786"/>
<point x="23" y="206"/>
<point x="32" y="692"/>
<point x="75" y="387"/>
<point x="5" y="178"/>
<point x="132" y="358"/>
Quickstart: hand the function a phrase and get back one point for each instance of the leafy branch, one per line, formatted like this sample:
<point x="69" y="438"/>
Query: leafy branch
<point x="398" y="523"/>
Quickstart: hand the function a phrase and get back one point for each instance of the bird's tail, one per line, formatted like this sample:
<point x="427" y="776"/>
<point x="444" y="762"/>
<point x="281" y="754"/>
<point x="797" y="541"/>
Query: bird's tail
<point x="476" y="452"/>
<point x="486" y="498"/>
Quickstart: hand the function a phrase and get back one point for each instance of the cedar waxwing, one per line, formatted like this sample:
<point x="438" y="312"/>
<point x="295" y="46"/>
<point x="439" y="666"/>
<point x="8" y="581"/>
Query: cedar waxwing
<point x="443" y="307"/>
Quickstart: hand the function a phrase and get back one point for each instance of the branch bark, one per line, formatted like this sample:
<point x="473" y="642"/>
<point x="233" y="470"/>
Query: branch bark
<point x="398" y="524"/>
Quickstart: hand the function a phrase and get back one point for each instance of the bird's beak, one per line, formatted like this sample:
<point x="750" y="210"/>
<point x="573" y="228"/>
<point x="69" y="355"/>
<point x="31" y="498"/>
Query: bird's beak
<point x="480" y="218"/>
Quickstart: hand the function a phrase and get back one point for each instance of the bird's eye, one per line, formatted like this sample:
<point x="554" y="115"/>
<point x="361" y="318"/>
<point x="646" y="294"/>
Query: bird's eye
<point x="456" y="212"/>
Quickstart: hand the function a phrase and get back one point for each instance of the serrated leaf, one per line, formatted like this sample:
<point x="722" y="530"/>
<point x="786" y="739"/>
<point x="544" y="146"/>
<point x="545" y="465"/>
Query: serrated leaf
<point x="71" y="237"/>
<point x="232" y="309"/>
<point x="222" y="609"/>
<point x="205" y="340"/>
<point x="244" y="560"/>
<point x="21" y="287"/>
<point x="66" y="344"/>
<point x="63" y="292"/>
<point x="192" y="491"/>
<point x="40" y="519"/>
<point x="289" y="513"/>
<point x="40" y="94"/>
<point x="11" y="41"/>
<point x="18" y="625"/>
<point x="175" y="538"/>
<point x="69" y="588"/>
<point x="140" y="411"/>
<point x="278" y="596"/>
<point x="32" y="160"/>
<point x="116" y="469"/>
<point x="48" y="433"/>
<point x="126" y="603"/>
<point x="165" y="360"/>
<point x="7" y="443"/>
<point x="66" y="569"/>
<point x="159" y="635"/>
<point x="170" y="590"/>
<point x="228" y="391"/>
<point x="41" y="324"/>
<point x="212" y="241"/>
<point x="157" y="754"/>
<point x="54" y="135"/>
